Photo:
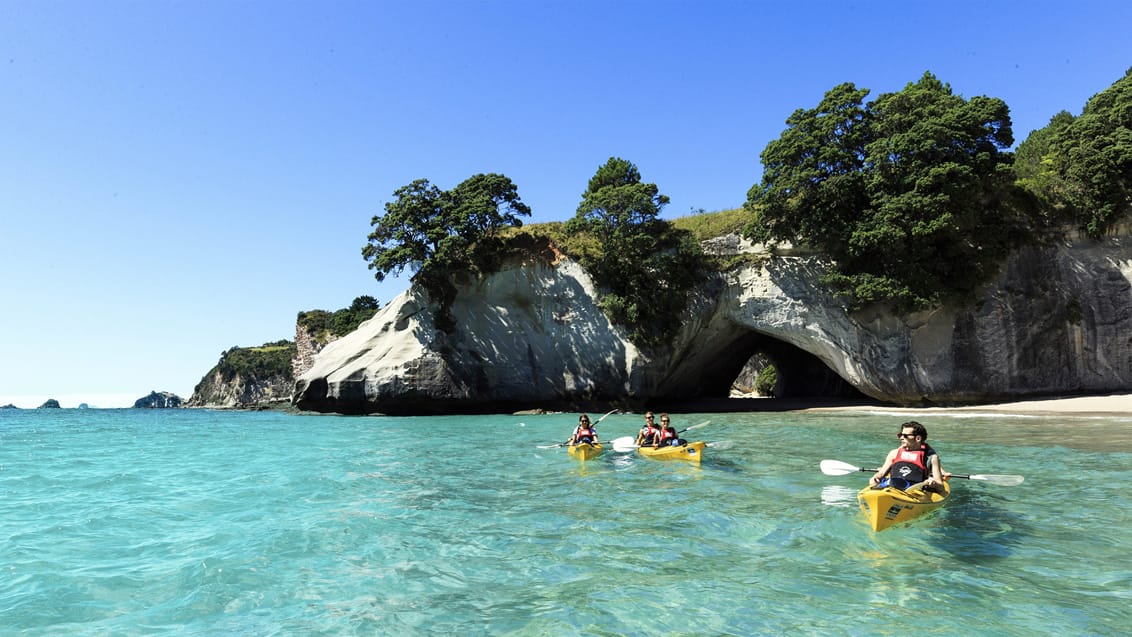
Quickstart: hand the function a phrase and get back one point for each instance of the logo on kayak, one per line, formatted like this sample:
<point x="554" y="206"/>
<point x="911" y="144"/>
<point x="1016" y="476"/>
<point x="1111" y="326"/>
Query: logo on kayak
<point x="894" y="511"/>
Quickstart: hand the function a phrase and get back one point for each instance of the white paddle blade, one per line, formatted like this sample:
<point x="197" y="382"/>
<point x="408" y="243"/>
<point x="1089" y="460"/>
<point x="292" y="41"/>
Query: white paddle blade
<point x="624" y="444"/>
<point x="1002" y="481"/>
<point x="722" y="444"/>
<point x="698" y="425"/>
<point x="837" y="468"/>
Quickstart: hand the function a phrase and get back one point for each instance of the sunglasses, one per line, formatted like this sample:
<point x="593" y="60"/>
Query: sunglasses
<point x="905" y="435"/>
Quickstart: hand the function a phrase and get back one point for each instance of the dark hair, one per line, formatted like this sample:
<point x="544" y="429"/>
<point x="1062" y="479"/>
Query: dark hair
<point x="917" y="429"/>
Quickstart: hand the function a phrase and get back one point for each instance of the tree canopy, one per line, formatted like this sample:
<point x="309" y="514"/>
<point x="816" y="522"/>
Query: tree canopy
<point x="433" y="231"/>
<point x="1081" y="167"/>
<point x="911" y="194"/>
<point x="644" y="266"/>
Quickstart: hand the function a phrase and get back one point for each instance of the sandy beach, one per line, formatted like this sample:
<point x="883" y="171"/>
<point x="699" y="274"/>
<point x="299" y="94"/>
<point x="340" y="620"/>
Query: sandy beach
<point x="1109" y="405"/>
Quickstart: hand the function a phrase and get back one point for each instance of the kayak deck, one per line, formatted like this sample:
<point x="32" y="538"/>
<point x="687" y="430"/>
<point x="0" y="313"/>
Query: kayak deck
<point x="690" y="452"/>
<point x="584" y="451"/>
<point x="888" y="506"/>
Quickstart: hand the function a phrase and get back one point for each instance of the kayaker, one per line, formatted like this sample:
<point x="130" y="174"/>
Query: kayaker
<point x="913" y="462"/>
<point x="648" y="433"/>
<point x="584" y="432"/>
<point x="668" y="434"/>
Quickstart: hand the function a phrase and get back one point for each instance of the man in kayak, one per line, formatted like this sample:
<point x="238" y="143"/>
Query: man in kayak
<point x="913" y="462"/>
<point x="584" y="432"/>
<point x="648" y="433"/>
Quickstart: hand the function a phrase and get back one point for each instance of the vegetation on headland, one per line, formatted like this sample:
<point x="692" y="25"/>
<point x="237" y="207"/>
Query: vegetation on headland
<point x="915" y="196"/>
<point x="257" y="363"/>
<point x="322" y="325"/>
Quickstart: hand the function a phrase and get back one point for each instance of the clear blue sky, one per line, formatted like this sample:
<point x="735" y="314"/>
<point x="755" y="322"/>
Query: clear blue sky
<point x="177" y="178"/>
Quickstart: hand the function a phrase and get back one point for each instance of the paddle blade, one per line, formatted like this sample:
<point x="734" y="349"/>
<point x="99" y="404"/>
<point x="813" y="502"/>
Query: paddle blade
<point x="838" y="468"/>
<point x="624" y="444"/>
<point x="1002" y="481"/>
<point x="695" y="426"/>
<point x="722" y="444"/>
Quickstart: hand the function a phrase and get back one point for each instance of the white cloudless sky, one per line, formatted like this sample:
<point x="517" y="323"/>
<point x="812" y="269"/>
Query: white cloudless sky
<point x="177" y="178"/>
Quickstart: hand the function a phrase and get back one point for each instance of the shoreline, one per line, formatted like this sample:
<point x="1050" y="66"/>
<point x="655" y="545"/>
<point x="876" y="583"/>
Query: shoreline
<point x="1106" y="405"/>
<point x="1100" y="405"/>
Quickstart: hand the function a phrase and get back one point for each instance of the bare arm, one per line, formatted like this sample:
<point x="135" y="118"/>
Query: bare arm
<point x="883" y="471"/>
<point x="935" y="473"/>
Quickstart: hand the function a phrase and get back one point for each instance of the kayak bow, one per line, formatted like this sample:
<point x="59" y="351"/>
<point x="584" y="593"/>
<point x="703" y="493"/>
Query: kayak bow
<point x="584" y="451"/>
<point x="691" y="452"/>
<point x="888" y="506"/>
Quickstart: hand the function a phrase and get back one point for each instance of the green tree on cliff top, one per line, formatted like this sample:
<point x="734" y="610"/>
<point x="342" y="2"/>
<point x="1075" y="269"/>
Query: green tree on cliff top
<point x="645" y="267"/>
<point x="1081" y="167"/>
<point x="437" y="233"/>
<point x="911" y="194"/>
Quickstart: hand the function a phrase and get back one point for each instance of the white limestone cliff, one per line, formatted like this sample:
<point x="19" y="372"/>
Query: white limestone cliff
<point x="1057" y="320"/>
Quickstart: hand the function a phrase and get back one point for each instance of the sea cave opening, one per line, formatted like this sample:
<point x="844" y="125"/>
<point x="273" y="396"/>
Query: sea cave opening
<point x="740" y="370"/>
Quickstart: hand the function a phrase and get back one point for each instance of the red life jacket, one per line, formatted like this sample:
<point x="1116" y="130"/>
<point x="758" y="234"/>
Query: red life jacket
<point x="911" y="466"/>
<point x="588" y="432"/>
<point x="668" y="434"/>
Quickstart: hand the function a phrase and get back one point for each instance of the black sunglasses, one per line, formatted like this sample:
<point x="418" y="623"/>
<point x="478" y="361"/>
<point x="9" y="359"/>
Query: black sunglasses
<point x="905" y="435"/>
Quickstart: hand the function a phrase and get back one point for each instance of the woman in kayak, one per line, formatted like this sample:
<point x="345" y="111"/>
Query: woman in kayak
<point x="913" y="462"/>
<point x="648" y="433"/>
<point x="668" y="434"/>
<point x="584" y="432"/>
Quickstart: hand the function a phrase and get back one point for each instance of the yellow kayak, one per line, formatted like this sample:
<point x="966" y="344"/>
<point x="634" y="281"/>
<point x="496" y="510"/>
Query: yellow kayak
<point x="691" y="452"/>
<point x="584" y="451"/>
<point x="888" y="506"/>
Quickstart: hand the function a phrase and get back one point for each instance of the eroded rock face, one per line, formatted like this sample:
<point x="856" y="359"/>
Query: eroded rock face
<point x="1057" y="321"/>
<point x="220" y="392"/>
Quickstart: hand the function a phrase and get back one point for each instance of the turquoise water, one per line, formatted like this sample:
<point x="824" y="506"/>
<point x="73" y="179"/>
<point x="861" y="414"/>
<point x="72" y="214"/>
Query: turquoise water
<point x="191" y="522"/>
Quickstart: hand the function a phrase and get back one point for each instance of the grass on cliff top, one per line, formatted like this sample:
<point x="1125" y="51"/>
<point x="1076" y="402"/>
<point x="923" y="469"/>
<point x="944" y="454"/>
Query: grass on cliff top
<point x="708" y="225"/>
<point x="703" y="226"/>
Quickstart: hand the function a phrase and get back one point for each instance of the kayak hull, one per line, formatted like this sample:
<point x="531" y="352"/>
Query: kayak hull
<point x="691" y="452"/>
<point x="888" y="506"/>
<point x="584" y="451"/>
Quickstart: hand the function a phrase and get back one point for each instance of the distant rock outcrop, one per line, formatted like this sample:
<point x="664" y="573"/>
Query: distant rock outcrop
<point x="1055" y="322"/>
<point x="248" y="378"/>
<point x="158" y="400"/>
<point x="9" y="406"/>
<point x="50" y="404"/>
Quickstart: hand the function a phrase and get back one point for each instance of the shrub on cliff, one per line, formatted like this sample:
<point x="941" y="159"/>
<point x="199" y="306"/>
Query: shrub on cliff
<point x="320" y="323"/>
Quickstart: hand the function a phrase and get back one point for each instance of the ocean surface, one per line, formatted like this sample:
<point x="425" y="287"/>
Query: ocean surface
<point x="194" y="522"/>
